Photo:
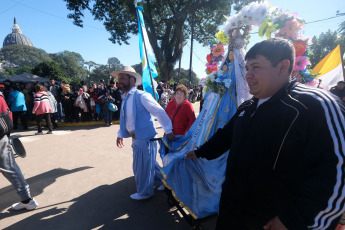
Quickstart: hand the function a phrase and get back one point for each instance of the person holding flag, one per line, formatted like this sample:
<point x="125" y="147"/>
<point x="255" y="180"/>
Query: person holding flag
<point x="147" y="57"/>
<point x="136" y="121"/>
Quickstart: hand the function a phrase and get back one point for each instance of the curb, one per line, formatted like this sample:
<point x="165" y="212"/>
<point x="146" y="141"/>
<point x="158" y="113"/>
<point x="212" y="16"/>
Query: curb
<point x="70" y="124"/>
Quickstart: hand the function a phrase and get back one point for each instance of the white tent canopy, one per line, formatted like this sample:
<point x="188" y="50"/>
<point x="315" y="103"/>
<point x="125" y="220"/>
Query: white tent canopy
<point x="26" y="78"/>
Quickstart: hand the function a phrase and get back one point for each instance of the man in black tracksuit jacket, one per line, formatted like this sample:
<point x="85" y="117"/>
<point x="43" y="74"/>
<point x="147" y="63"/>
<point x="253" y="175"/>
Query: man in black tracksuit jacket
<point x="285" y="168"/>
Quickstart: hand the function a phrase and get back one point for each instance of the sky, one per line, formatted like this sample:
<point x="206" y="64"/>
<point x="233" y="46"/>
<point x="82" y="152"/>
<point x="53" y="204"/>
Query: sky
<point x="46" y="24"/>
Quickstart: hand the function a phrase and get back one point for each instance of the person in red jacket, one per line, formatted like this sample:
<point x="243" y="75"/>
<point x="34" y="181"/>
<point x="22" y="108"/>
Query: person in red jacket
<point x="180" y="111"/>
<point x="11" y="170"/>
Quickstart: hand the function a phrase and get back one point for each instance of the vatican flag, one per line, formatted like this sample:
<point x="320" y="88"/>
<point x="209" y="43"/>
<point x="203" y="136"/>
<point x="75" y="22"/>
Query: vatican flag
<point x="330" y="69"/>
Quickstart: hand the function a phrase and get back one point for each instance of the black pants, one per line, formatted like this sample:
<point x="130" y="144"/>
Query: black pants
<point x="39" y="121"/>
<point x="23" y="119"/>
<point x="52" y="119"/>
<point x="67" y="107"/>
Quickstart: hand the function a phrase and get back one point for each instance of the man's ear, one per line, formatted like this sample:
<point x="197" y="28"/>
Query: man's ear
<point x="132" y="81"/>
<point x="284" y="67"/>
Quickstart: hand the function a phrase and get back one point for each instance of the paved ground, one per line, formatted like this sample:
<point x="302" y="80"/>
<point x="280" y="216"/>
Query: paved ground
<point x="83" y="181"/>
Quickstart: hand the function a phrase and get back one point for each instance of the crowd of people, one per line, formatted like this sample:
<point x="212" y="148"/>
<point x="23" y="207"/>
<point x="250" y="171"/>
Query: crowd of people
<point x="75" y="103"/>
<point x="71" y="103"/>
<point x="273" y="132"/>
<point x="67" y="103"/>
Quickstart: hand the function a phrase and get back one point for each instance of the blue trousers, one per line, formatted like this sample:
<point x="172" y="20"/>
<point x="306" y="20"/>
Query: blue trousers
<point x="11" y="171"/>
<point x="108" y="115"/>
<point x="146" y="169"/>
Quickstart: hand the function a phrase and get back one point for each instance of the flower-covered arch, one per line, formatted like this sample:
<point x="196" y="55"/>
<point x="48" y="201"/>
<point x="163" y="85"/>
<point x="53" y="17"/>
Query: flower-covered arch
<point x="271" y="21"/>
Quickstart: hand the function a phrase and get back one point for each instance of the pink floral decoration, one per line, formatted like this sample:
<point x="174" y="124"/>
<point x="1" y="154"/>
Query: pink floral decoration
<point x="212" y="65"/>
<point x="301" y="62"/>
<point x="290" y="29"/>
<point x="218" y="50"/>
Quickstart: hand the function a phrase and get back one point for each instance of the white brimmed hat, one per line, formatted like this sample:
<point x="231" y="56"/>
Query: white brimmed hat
<point x="128" y="70"/>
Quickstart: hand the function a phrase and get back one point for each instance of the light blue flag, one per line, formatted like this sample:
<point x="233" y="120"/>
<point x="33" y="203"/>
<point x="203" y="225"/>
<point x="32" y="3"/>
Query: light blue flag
<point x="148" y="64"/>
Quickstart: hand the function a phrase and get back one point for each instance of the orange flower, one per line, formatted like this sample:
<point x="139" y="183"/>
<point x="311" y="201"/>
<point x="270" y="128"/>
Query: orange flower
<point x="218" y="50"/>
<point x="300" y="48"/>
<point x="208" y="58"/>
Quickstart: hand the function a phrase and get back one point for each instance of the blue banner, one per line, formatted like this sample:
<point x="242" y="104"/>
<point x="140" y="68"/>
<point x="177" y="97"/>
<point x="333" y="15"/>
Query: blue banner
<point x="148" y="64"/>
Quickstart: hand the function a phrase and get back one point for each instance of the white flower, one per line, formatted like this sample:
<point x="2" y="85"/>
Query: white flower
<point x="227" y="82"/>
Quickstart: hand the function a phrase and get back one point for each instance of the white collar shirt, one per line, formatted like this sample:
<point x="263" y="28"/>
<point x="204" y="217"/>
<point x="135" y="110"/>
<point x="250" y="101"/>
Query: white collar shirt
<point x="151" y="105"/>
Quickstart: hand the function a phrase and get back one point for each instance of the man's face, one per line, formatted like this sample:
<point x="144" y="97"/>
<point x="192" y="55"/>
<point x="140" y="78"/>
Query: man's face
<point x="124" y="82"/>
<point x="52" y="82"/>
<point x="263" y="79"/>
<point x="340" y="85"/>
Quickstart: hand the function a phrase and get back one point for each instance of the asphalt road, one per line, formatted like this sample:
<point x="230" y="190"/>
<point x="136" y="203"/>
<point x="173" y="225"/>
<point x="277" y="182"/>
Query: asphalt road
<point x="81" y="180"/>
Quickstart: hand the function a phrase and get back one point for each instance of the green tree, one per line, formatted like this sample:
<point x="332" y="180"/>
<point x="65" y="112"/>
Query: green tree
<point x="22" y="55"/>
<point x="168" y="23"/>
<point x="324" y="44"/>
<point x="48" y="69"/>
<point x="98" y="73"/>
<point x="138" y="68"/>
<point x="71" y="64"/>
<point x="184" y="76"/>
<point x="114" y="64"/>
<point x="8" y="72"/>
<point x="90" y="65"/>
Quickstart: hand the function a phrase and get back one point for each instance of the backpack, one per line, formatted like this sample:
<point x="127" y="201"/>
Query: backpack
<point x="6" y="124"/>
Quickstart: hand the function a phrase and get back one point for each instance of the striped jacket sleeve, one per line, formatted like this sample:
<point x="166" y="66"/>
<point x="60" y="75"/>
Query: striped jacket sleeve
<point x="320" y="202"/>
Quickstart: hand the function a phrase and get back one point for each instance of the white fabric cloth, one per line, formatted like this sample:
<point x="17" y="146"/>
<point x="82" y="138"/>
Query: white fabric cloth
<point x="242" y="89"/>
<point x="151" y="105"/>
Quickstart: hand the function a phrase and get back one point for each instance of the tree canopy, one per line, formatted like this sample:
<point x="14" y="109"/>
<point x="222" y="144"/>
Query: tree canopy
<point x="71" y="64"/>
<point x="114" y="64"/>
<point x="183" y="78"/>
<point x="48" y="69"/>
<point x="22" y="55"/>
<point x="98" y="73"/>
<point x="168" y="23"/>
<point x="324" y="44"/>
<point x="9" y="71"/>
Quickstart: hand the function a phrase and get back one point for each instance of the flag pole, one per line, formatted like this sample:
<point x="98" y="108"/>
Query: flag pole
<point x="342" y="62"/>
<point x="147" y="59"/>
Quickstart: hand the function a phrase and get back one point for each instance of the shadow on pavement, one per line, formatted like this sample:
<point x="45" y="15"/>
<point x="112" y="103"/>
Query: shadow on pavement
<point x="36" y="183"/>
<point x="108" y="207"/>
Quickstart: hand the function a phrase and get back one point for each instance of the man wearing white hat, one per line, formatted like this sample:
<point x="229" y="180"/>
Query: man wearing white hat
<point x="136" y="121"/>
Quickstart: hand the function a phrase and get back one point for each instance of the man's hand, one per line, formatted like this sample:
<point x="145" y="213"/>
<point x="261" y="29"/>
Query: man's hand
<point x="119" y="142"/>
<point x="191" y="155"/>
<point x="275" y="224"/>
<point x="171" y="137"/>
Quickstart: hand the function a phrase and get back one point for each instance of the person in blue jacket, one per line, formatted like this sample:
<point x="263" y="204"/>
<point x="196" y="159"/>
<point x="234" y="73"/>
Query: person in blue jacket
<point x="16" y="102"/>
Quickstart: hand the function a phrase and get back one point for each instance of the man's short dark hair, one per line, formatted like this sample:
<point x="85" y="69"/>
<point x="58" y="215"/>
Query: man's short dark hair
<point x="275" y="50"/>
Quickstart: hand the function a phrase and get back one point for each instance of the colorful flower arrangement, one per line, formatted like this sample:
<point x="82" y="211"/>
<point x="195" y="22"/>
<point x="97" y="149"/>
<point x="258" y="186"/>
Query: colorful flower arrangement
<point x="217" y="82"/>
<point x="272" y="21"/>
<point x="217" y="52"/>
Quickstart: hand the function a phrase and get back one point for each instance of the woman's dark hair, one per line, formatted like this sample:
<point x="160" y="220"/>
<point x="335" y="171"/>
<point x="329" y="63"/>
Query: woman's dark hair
<point x="275" y="50"/>
<point x="14" y="87"/>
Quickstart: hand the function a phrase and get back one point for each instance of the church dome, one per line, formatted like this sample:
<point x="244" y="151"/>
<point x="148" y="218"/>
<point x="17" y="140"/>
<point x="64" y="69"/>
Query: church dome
<point x="16" y="37"/>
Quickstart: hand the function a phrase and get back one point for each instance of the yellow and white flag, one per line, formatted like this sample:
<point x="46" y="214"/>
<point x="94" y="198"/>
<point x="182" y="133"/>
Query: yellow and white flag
<point x="330" y="69"/>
